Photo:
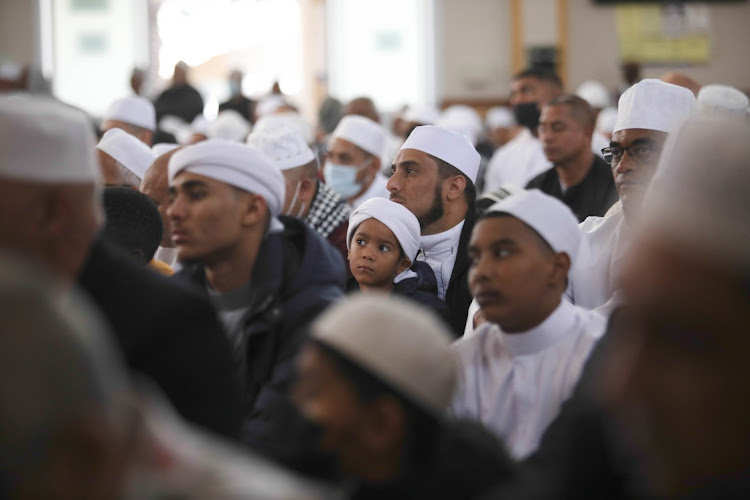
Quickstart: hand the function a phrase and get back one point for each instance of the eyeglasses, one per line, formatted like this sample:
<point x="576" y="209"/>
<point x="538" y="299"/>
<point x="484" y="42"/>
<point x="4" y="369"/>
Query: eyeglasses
<point x="640" y="153"/>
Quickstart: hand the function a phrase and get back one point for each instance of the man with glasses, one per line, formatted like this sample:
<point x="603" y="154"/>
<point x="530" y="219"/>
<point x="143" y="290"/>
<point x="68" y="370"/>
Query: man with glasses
<point x="647" y="112"/>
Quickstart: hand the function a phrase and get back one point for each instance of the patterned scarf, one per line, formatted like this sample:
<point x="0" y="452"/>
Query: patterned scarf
<point x="327" y="211"/>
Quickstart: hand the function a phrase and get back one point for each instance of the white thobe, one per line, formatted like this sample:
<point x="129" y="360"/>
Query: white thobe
<point x="604" y="241"/>
<point x="515" y="383"/>
<point x="377" y="189"/>
<point x="168" y="255"/>
<point x="519" y="161"/>
<point x="439" y="251"/>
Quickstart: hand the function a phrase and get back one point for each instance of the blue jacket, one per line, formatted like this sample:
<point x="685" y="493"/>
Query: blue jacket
<point x="298" y="274"/>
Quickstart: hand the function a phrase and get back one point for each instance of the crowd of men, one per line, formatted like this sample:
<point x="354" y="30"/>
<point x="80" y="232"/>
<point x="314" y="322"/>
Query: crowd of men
<point x="552" y="302"/>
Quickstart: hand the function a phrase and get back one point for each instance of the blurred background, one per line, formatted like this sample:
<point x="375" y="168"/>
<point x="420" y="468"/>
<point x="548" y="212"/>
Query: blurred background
<point x="398" y="52"/>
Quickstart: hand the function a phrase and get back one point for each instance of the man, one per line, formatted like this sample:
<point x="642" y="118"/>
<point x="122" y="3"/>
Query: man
<point x="50" y="211"/>
<point x="677" y="375"/>
<point x="515" y="376"/>
<point x="597" y="95"/>
<point x="268" y="276"/>
<point x="364" y="106"/>
<point x="579" y="178"/>
<point x="123" y="159"/>
<point x="376" y="378"/>
<point x="133" y="223"/>
<point x="352" y="166"/>
<point x="647" y="113"/>
<point x="433" y="176"/>
<point x="237" y="100"/>
<point x="306" y="197"/>
<point x="522" y="158"/>
<point x="135" y="115"/>
<point x="501" y="126"/>
<point x="180" y="99"/>
<point x="155" y="185"/>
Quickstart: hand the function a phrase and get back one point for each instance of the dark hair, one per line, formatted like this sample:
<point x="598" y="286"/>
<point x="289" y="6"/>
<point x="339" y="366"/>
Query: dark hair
<point x="580" y="110"/>
<point x="133" y="222"/>
<point x="543" y="75"/>
<point x="421" y="426"/>
<point x="446" y="170"/>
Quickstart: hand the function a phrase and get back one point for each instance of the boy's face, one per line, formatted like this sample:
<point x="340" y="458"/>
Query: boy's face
<point x="513" y="272"/>
<point x="375" y="255"/>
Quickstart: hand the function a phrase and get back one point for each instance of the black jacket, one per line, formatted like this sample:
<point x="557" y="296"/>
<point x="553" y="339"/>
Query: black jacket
<point x="467" y="461"/>
<point x="457" y="295"/>
<point x="297" y="275"/>
<point x="169" y="333"/>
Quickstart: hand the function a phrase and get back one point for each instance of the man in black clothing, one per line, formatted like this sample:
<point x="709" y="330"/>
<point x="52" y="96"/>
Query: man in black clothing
<point x="181" y="99"/>
<point x="578" y="178"/>
<point x="237" y="101"/>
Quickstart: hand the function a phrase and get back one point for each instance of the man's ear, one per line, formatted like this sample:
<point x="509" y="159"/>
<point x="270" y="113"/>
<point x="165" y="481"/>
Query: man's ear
<point x="307" y="189"/>
<point x="453" y="187"/>
<point x="560" y="269"/>
<point x="255" y="209"/>
<point x="385" y="424"/>
<point x="404" y="263"/>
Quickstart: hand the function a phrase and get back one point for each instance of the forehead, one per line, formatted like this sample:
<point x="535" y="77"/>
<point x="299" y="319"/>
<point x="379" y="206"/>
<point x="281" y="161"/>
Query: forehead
<point x="342" y="146"/>
<point x="415" y="156"/>
<point x="376" y="229"/>
<point x="625" y="137"/>
<point x="526" y="82"/>
<point x="556" y="112"/>
<point x="184" y="177"/>
<point x="494" y="228"/>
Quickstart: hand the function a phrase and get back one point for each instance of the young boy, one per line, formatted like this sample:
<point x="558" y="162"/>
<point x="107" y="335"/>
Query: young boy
<point x="515" y="378"/>
<point x="383" y="240"/>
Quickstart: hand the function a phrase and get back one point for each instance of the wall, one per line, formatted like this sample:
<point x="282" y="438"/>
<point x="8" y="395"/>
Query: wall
<point x="18" y="41"/>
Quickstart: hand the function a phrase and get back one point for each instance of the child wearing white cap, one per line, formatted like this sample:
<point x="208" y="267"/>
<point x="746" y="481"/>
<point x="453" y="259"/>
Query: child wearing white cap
<point x="515" y="376"/>
<point x="383" y="241"/>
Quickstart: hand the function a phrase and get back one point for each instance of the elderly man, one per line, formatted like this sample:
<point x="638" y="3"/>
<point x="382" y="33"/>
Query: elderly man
<point x="677" y="374"/>
<point x="50" y="211"/>
<point x="352" y="166"/>
<point x="307" y="198"/>
<point x="433" y="176"/>
<point x="123" y="159"/>
<point x="135" y="115"/>
<point x="647" y="112"/>
<point x="375" y="378"/>
<point x="579" y="178"/>
<point x="267" y="275"/>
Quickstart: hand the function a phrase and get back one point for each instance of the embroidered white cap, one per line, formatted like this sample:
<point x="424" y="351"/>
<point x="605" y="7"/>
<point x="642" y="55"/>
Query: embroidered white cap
<point x="284" y="145"/>
<point x="451" y="147"/>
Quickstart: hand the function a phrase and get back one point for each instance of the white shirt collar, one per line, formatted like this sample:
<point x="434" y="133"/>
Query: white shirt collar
<point x="441" y="242"/>
<point x="547" y="333"/>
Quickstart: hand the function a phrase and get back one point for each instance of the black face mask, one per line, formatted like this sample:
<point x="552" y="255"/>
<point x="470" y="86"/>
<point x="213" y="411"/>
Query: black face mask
<point x="527" y="115"/>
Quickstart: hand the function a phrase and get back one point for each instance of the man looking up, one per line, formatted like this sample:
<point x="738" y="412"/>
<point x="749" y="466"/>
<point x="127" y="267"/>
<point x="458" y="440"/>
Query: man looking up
<point x="579" y="178"/>
<point x="433" y="176"/>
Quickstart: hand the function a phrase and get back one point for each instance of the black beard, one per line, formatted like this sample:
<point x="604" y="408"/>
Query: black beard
<point x="436" y="211"/>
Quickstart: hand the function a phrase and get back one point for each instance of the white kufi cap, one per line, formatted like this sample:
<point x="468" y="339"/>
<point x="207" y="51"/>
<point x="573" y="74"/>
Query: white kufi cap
<point x="236" y="164"/>
<point x="135" y="110"/>
<point x="285" y="146"/>
<point x="451" y="147"/>
<point x="45" y="141"/>
<point x="500" y="117"/>
<point x="362" y="132"/>
<point x="128" y="151"/>
<point x="654" y="105"/>
<point x="422" y="114"/>
<point x="283" y="121"/>
<point x="605" y="122"/>
<point x="462" y="119"/>
<point x="396" y="341"/>
<point x="396" y="217"/>
<point x="594" y="93"/>
<point x="229" y="125"/>
<point x="722" y="100"/>
<point x="548" y="216"/>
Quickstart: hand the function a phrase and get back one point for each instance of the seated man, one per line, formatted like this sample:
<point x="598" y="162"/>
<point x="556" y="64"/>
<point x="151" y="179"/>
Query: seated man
<point x="133" y="223"/>
<point x="514" y="379"/>
<point x="123" y="159"/>
<point x="376" y="378"/>
<point x="268" y="276"/>
<point x="133" y="114"/>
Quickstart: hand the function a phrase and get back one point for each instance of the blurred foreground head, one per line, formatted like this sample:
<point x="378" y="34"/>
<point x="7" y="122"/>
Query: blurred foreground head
<point x="679" y="373"/>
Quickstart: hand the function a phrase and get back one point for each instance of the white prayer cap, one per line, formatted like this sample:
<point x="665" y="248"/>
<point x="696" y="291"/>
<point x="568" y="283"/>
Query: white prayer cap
<point x="722" y="99"/>
<point x="45" y="141"/>
<point x="236" y="164"/>
<point x="135" y="110"/>
<point x="422" y="114"/>
<point x="163" y="148"/>
<point x="594" y="93"/>
<point x="229" y="125"/>
<point x="396" y="341"/>
<point x="283" y="121"/>
<point x="451" y="147"/>
<point x="199" y="125"/>
<point x="269" y="105"/>
<point x="396" y="217"/>
<point x="548" y="216"/>
<point x="128" y="151"/>
<point x="654" y="105"/>
<point x="500" y="117"/>
<point x="605" y="122"/>
<point x="285" y="146"/>
<point x="462" y="119"/>
<point x="698" y="197"/>
<point x="362" y="132"/>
